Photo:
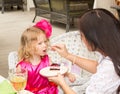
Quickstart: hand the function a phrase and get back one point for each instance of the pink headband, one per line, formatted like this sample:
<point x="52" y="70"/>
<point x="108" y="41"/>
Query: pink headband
<point x="45" y="26"/>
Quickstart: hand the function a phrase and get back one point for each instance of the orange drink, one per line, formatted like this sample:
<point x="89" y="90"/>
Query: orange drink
<point x="18" y="78"/>
<point x="18" y="82"/>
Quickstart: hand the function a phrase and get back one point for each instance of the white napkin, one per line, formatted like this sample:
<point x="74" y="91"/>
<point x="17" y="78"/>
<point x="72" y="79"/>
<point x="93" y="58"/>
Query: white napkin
<point x="6" y="87"/>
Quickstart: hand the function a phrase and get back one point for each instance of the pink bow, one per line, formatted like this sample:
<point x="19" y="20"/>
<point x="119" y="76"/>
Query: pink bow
<point x="45" y="26"/>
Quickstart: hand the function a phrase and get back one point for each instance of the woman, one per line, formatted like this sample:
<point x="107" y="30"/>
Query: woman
<point x="100" y="32"/>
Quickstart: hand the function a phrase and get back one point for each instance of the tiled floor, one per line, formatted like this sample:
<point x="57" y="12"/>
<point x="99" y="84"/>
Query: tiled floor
<point x="12" y="24"/>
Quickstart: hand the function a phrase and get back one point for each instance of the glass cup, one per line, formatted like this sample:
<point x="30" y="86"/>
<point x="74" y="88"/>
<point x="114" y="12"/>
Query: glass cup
<point x="18" y="78"/>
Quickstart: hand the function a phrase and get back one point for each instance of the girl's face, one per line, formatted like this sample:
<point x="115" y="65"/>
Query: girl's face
<point x="41" y="45"/>
<point x="86" y="42"/>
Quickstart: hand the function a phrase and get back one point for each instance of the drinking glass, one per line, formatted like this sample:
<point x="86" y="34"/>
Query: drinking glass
<point x="18" y="78"/>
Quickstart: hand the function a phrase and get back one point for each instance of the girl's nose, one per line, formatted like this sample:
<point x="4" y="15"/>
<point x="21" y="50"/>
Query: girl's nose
<point x="45" y="44"/>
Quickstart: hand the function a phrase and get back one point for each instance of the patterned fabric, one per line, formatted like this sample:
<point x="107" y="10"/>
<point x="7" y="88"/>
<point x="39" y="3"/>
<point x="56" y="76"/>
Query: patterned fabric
<point x="73" y="42"/>
<point x="36" y="83"/>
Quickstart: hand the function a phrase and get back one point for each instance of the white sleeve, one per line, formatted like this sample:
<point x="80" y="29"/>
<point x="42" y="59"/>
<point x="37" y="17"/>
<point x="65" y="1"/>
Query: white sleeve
<point x="105" y="80"/>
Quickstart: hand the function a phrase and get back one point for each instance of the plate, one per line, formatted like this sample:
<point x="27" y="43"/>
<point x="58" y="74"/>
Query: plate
<point x="48" y="73"/>
<point x="25" y="92"/>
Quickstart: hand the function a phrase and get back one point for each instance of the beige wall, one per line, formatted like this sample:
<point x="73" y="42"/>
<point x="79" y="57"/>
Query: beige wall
<point x="105" y="4"/>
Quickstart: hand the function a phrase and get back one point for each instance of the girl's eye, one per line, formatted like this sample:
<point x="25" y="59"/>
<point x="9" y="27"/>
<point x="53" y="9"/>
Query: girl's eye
<point x="46" y="41"/>
<point x="40" y="43"/>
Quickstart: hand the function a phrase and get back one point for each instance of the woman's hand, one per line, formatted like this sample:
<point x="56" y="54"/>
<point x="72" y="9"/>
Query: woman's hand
<point x="61" y="49"/>
<point x="59" y="79"/>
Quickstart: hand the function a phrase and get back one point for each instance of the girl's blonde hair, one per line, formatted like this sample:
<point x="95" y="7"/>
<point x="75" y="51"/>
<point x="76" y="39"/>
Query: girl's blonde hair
<point x="28" y="38"/>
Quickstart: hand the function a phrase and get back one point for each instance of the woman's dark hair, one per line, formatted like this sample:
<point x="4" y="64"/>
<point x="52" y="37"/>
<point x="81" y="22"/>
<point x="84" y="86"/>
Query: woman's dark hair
<point x="102" y="31"/>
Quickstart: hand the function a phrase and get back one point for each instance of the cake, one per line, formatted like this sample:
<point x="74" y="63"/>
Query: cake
<point x="55" y="66"/>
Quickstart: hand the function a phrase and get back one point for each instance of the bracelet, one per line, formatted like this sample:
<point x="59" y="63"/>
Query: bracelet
<point x="74" y="59"/>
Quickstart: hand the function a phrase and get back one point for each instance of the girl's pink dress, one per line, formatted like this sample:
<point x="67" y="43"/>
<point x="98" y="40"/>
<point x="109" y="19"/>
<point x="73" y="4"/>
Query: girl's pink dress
<point x="36" y="83"/>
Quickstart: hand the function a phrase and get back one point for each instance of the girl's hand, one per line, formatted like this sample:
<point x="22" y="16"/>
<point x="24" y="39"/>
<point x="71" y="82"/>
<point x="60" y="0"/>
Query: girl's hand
<point x="59" y="79"/>
<point x="71" y="77"/>
<point x="61" y="49"/>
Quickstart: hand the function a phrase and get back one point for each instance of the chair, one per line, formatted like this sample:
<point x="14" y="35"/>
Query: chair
<point x="12" y="59"/>
<point x="75" y="46"/>
<point x="11" y="3"/>
<point x="41" y="8"/>
<point x="64" y="11"/>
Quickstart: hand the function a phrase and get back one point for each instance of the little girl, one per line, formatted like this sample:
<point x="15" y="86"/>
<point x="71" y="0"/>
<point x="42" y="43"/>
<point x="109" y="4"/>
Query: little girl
<point x="33" y="57"/>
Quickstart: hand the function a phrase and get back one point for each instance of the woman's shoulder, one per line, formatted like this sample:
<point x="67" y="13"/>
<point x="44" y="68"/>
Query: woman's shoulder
<point x="104" y="59"/>
<point x="107" y="61"/>
<point x="106" y="67"/>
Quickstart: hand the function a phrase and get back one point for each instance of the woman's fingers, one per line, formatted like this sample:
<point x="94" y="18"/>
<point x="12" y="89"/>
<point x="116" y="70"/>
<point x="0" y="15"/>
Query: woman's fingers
<point x="57" y="79"/>
<point x="57" y="47"/>
<point x="61" y="49"/>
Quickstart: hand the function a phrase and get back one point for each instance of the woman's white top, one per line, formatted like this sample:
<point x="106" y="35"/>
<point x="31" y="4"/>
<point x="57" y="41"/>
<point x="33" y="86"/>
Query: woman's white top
<point x="105" y="80"/>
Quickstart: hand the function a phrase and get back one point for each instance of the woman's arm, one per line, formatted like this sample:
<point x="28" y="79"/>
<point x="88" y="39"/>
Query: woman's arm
<point x="66" y="88"/>
<point x="87" y="64"/>
<point x="59" y="79"/>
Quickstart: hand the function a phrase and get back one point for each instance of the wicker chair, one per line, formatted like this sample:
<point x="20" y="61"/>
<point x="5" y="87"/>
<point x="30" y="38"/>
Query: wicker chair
<point x="64" y="11"/>
<point x="75" y="46"/>
<point x="42" y="8"/>
<point x="4" y="3"/>
<point x="12" y="59"/>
